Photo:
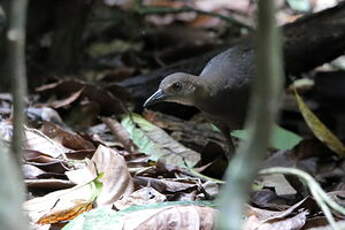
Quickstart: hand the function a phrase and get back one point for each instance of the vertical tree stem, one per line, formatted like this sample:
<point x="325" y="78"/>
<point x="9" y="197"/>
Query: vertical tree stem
<point x="11" y="193"/>
<point x="262" y="111"/>
<point x="17" y="70"/>
<point x="12" y="189"/>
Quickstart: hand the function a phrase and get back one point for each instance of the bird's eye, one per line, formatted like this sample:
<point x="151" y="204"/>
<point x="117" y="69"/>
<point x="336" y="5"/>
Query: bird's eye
<point x="177" y="86"/>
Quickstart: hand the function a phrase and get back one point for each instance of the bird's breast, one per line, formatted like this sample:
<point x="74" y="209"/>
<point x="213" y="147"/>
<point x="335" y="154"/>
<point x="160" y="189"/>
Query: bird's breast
<point x="229" y="107"/>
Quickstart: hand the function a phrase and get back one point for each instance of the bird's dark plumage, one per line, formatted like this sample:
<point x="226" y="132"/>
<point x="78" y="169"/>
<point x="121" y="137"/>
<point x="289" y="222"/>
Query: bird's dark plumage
<point x="222" y="88"/>
<point x="221" y="91"/>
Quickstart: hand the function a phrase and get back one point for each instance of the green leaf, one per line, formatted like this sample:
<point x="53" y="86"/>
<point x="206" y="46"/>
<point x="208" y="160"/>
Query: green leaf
<point x="299" y="5"/>
<point x="108" y="219"/>
<point x="282" y="138"/>
<point x="156" y="143"/>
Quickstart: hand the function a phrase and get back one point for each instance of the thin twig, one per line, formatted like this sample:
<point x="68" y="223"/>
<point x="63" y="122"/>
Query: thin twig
<point x="320" y="196"/>
<point x="17" y="70"/>
<point x="325" y="209"/>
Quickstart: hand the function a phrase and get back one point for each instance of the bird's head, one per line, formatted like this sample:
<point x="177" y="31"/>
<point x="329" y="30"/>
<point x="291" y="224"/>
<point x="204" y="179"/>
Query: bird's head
<point x="181" y="88"/>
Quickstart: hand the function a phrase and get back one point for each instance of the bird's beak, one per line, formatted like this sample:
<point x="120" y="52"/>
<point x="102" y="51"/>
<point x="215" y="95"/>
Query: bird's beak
<point x="158" y="96"/>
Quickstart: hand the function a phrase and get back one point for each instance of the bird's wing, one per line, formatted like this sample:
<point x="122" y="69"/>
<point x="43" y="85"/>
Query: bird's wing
<point x="231" y="68"/>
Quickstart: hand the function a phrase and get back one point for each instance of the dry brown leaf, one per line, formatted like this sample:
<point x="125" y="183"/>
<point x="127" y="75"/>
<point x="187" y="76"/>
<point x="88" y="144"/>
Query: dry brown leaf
<point x="262" y="219"/>
<point x="37" y="141"/>
<point x="52" y="184"/>
<point x="83" y="175"/>
<point x="295" y="223"/>
<point x="66" y="138"/>
<point x="176" y="217"/>
<point x="280" y="184"/>
<point x="67" y="101"/>
<point x="165" y="3"/>
<point x="120" y="133"/>
<point x="68" y="203"/>
<point x="117" y="181"/>
<point x="60" y="204"/>
<point x="108" y="102"/>
<point x="38" y="157"/>
<point x="65" y="215"/>
<point x="33" y="172"/>
<point x="164" y="184"/>
<point x="267" y="215"/>
<point x="143" y="196"/>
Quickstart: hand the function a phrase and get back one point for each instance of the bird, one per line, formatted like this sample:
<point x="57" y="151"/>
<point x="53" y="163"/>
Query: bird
<point x="223" y="98"/>
<point x="222" y="89"/>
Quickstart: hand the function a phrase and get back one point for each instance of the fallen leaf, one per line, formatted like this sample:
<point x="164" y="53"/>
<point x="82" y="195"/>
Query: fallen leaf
<point x="168" y="215"/>
<point x="108" y="102"/>
<point x="157" y="143"/>
<point x="112" y="182"/>
<point x="65" y="214"/>
<point x="59" y="205"/>
<point x="296" y="222"/>
<point x="319" y="129"/>
<point x="117" y="181"/>
<point x="120" y="133"/>
<point x="164" y="184"/>
<point x="67" y="101"/>
<point x="144" y="196"/>
<point x="281" y="186"/>
<point x="52" y="184"/>
<point x="66" y="138"/>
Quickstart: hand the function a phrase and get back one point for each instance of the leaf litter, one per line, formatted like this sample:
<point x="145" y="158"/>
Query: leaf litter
<point x="128" y="161"/>
<point x="127" y="171"/>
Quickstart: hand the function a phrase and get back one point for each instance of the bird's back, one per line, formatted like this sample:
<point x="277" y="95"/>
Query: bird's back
<point x="229" y="75"/>
<point x="232" y="67"/>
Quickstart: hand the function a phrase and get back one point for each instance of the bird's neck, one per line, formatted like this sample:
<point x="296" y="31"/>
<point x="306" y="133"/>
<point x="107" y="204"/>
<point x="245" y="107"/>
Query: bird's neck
<point x="204" y="91"/>
<point x="209" y="97"/>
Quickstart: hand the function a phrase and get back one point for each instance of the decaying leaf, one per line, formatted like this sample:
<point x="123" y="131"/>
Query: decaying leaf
<point x="296" y="222"/>
<point x="51" y="183"/>
<point x="117" y="181"/>
<point x="157" y="143"/>
<point x="144" y="196"/>
<point x="60" y="205"/>
<point x="281" y="186"/>
<point x="79" y="89"/>
<point x="66" y="138"/>
<point x="120" y="133"/>
<point x="66" y="214"/>
<point x="261" y="219"/>
<point x="67" y="101"/>
<point x="164" y="185"/>
<point x="112" y="182"/>
<point x="319" y="129"/>
<point x="35" y="141"/>
<point x="167" y="215"/>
